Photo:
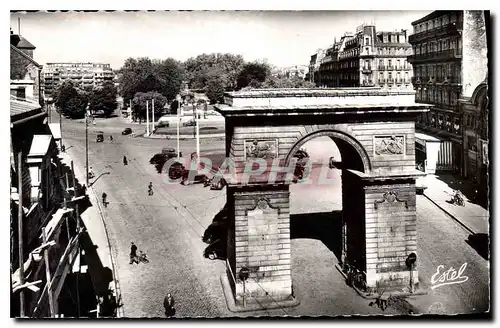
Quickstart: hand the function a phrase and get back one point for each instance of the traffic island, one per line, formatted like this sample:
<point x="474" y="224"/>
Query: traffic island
<point x="253" y="304"/>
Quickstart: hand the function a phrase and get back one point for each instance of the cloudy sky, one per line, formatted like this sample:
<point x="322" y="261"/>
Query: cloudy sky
<point x="283" y="38"/>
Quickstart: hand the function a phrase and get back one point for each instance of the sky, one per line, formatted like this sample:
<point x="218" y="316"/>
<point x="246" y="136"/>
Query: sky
<point x="283" y="38"/>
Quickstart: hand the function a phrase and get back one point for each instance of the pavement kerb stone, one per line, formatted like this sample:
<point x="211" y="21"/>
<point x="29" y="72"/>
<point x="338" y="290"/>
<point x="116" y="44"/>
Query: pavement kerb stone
<point x="251" y="307"/>
<point x="375" y="296"/>
<point x="450" y="215"/>
<point x="111" y="259"/>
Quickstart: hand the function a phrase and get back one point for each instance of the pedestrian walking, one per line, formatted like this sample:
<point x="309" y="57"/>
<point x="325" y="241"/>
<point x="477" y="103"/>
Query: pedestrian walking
<point x="104" y="198"/>
<point x="110" y="138"/>
<point x="125" y="162"/>
<point x="168" y="304"/>
<point x="133" y="253"/>
<point x="150" y="189"/>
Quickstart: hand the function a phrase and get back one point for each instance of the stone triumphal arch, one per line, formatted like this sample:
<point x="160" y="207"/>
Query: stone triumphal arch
<point x="374" y="131"/>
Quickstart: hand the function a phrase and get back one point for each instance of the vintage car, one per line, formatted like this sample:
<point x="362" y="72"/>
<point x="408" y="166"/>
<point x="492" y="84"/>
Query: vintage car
<point x="216" y="250"/>
<point x="100" y="136"/>
<point x="127" y="131"/>
<point x="191" y="122"/>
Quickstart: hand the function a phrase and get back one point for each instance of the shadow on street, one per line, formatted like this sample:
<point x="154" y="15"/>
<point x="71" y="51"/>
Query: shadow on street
<point x="323" y="226"/>
<point x="481" y="244"/>
<point x="469" y="189"/>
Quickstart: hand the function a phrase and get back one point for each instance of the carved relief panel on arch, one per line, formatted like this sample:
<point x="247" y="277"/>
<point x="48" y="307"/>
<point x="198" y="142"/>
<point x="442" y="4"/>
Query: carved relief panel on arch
<point x="389" y="145"/>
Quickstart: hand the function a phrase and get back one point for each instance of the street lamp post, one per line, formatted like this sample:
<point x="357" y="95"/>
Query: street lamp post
<point x="87" y="146"/>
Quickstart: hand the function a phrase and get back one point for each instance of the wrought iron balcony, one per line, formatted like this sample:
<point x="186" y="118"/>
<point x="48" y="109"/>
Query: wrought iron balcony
<point x="367" y="70"/>
<point x="390" y="81"/>
<point x="382" y="67"/>
<point x="438" y="31"/>
<point x="436" y="55"/>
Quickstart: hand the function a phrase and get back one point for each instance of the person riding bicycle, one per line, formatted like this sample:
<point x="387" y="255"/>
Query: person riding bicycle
<point x="457" y="197"/>
<point x="125" y="162"/>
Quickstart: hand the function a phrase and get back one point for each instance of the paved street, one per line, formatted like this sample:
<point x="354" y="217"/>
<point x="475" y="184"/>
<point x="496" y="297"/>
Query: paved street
<point x="168" y="226"/>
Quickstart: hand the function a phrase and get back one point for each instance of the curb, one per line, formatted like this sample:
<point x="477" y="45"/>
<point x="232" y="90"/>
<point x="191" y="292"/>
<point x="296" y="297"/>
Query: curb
<point x="450" y="215"/>
<point x="111" y="259"/>
<point x="375" y="295"/>
<point x="233" y="307"/>
<point x="181" y="137"/>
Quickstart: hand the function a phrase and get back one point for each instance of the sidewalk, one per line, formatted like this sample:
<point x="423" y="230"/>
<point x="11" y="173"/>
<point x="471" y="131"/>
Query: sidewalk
<point x="473" y="217"/>
<point x="94" y="223"/>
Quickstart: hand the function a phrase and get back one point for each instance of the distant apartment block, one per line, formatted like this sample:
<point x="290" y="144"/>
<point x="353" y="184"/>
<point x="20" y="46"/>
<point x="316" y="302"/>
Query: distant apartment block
<point x="366" y="58"/>
<point x="85" y="75"/>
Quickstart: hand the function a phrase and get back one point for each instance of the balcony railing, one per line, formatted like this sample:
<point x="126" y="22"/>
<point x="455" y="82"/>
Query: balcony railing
<point x="368" y="84"/>
<point x="390" y="68"/>
<point x="448" y="28"/>
<point x="367" y="70"/>
<point x="390" y="80"/>
<point x="382" y="67"/>
<point x="381" y="81"/>
<point x="437" y="55"/>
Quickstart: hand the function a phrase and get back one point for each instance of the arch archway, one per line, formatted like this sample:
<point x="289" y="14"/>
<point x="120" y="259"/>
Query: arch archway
<point x="375" y="131"/>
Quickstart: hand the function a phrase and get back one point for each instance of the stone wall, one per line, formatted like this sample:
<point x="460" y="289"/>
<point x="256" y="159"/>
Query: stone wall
<point x="262" y="242"/>
<point x="391" y="233"/>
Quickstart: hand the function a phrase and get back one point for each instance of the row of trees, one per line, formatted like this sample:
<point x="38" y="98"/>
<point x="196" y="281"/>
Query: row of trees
<point x="143" y="79"/>
<point x="213" y="73"/>
<point x="72" y="100"/>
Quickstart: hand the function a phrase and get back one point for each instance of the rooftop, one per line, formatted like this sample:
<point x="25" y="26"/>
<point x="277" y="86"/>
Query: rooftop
<point x="20" y="109"/>
<point x="269" y="102"/>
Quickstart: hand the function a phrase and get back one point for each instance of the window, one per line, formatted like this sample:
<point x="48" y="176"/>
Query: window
<point x="389" y="63"/>
<point x="381" y="63"/>
<point x="367" y="41"/>
<point x="21" y="93"/>
<point x="398" y="64"/>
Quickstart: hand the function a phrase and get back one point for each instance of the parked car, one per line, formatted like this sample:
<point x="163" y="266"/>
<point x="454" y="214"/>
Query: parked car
<point x="162" y="124"/>
<point x="127" y="131"/>
<point x="169" y="151"/>
<point x="100" y="136"/>
<point x="191" y="122"/>
<point x="216" y="230"/>
<point x="176" y="171"/>
<point x="216" y="250"/>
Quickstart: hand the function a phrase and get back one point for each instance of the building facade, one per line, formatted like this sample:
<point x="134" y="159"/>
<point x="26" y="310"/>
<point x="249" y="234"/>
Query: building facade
<point x="85" y="75"/>
<point x="312" y="75"/>
<point x="368" y="58"/>
<point x="449" y="61"/>
<point x="25" y="72"/>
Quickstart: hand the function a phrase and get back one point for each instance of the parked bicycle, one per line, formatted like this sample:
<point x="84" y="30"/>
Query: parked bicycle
<point x="355" y="277"/>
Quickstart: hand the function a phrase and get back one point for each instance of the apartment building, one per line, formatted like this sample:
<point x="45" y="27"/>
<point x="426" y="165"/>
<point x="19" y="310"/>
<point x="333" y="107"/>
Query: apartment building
<point x="85" y="75"/>
<point x="367" y="58"/>
<point x="449" y="62"/>
<point x="312" y="75"/>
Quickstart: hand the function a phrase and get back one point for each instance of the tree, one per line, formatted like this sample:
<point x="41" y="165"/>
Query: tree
<point x="200" y="68"/>
<point x="136" y="75"/>
<point x="146" y="75"/>
<point x="103" y="99"/>
<point x="139" y="103"/>
<point x="169" y="74"/>
<point x="215" y="87"/>
<point x="71" y="101"/>
<point x="253" y="75"/>
<point x="286" y="82"/>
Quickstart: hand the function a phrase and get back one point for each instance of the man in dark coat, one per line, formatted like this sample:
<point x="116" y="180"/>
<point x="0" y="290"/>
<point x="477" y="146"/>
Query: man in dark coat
<point x="133" y="253"/>
<point x="168" y="304"/>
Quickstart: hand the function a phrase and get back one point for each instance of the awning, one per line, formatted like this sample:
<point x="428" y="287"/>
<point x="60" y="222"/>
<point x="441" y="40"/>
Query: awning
<point x="40" y="145"/>
<point x="55" y="129"/>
